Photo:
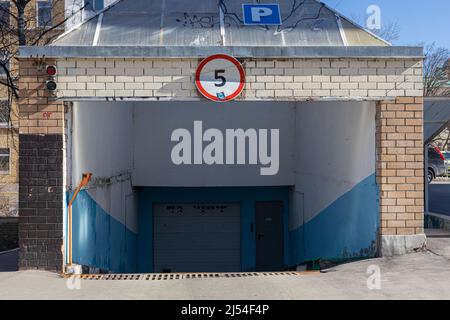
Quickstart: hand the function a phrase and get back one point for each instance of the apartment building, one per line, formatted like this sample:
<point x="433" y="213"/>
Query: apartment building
<point x="44" y="19"/>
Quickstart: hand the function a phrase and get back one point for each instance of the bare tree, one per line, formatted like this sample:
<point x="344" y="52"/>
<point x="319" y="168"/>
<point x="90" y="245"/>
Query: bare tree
<point x="443" y="139"/>
<point x="22" y="22"/>
<point x="435" y="73"/>
<point x="389" y="31"/>
<point x="20" y="25"/>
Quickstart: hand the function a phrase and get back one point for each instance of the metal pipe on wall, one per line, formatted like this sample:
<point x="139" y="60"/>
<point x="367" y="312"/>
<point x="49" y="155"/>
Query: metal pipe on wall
<point x="86" y="177"/>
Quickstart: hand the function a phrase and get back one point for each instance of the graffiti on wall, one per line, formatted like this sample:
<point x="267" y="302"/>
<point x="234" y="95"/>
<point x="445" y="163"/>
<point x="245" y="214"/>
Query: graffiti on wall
<point x="292" y="19"/>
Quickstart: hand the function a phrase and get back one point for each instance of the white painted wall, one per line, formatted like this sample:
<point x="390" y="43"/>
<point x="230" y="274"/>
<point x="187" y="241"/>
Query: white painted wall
<point x="326" y="150"/>
<point x="335" y="150"/>
<point x="155" y="123"/>
<point x="102" y="138"/>
<point x="102" y="144"/>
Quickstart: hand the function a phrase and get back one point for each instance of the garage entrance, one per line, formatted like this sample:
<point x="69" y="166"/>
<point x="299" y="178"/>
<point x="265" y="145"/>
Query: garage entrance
<point x="211" y="229"/>
<point x="197" y="237"/>
<point x="249" y="186"/>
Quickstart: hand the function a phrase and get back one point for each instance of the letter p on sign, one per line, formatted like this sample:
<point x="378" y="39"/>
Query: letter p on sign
<point x="257" y="13"/>
<point x="261" y="14"/>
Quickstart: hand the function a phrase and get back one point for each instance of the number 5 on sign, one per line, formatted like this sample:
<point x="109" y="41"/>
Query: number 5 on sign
<point x="220" y="77"/>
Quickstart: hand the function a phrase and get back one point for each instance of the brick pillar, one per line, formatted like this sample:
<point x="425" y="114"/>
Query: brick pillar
<point x="41" y="127"/>
<point x="400" y="174"/>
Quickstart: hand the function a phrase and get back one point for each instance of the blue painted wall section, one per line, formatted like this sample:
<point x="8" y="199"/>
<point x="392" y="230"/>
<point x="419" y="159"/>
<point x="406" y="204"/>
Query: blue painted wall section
<point x="246" y="196"/>
<point x="99" y="240"/>
<point x="347" y="229"/>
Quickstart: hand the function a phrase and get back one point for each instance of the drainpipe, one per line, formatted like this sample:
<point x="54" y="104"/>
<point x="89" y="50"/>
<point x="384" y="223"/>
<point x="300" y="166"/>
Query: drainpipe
<point x="84" y="181"/>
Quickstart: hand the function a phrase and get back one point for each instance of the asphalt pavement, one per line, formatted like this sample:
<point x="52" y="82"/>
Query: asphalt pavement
<point x="422" y="275"/>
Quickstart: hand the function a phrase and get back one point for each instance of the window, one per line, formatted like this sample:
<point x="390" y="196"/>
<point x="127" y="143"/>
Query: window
<point x="4" y="113"/>
<point x="4" y="160"/>
<point x="97" y="4"/>
<point x="4" y="60"/>
<point x="4" y="13"/>
<point x="44" y="13"/>
<point x="2" y="69"/>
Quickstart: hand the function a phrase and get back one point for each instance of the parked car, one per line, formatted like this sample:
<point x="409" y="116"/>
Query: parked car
<point x="436" y="163"/>
<point x="447" y="161"/>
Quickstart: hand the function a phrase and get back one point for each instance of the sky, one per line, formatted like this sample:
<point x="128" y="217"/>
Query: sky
<point x="420" y="21"/>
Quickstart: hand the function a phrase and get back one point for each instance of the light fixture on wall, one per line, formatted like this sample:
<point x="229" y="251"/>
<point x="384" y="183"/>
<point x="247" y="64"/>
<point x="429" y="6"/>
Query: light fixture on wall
<point x="50" y="85"/>
<point x="51" y="70"/>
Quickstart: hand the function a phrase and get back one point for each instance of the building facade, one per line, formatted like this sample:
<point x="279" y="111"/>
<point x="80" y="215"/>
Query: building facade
<point x="43" y="21"/>
<point x="340" y="110"/>
<point x="40" y="16"/>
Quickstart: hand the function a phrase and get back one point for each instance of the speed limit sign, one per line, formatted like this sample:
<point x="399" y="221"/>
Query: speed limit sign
<point x="220" y="77"/>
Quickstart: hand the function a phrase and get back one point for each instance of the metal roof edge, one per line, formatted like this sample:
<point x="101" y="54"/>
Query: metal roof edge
<point x="237" y="51"/>
<point x="436" y="98"/>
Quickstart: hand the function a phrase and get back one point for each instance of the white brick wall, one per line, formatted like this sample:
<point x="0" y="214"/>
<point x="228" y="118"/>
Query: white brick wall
<point x="290" y="79"/>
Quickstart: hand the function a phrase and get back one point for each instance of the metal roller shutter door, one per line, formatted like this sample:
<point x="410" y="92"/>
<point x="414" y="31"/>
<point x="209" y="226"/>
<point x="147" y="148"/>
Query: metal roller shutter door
<point x="196" y="237"/>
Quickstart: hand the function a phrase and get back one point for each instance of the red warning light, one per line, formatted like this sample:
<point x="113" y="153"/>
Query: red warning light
<point x="51" y="70"/>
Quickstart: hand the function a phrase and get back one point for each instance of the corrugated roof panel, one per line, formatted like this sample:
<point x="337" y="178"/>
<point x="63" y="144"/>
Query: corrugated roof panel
<point x="305" y="23"/>
<point x="358" y="37"/>
<point x="198" y="23"/>
<point x="191" y="23"/>
<point x="84" y="35"/>
<point x="131" y="23"/>
<point x="160" y="23"/>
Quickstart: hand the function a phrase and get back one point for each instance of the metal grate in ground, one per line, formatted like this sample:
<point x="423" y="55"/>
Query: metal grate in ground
<point x="178" y="276"/>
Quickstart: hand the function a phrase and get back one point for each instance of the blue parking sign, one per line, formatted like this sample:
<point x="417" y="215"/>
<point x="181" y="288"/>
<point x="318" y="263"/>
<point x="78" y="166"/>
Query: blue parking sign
<point x="261" y="14"/>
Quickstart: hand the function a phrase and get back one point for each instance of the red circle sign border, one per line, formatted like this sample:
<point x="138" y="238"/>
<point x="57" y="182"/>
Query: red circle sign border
<point x="226" y="57"/>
